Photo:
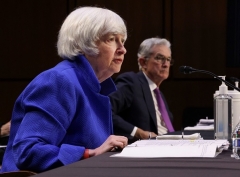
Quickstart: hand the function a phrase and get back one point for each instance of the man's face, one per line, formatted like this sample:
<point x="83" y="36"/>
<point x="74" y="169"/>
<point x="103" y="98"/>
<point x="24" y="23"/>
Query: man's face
<point x="155" y="68"/>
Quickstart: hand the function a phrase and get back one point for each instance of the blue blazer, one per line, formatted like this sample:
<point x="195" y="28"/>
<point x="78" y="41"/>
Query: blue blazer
<point x="60" y="113"/>
<point x="132" y="104"/>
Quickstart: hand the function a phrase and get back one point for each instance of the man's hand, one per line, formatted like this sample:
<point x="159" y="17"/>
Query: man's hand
<point x="5" y="129"/>
<point x="141" y="134"/>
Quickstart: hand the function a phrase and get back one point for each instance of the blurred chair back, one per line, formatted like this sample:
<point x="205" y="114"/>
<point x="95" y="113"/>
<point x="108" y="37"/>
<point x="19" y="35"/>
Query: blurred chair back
<point x="17" y="174"/>
<point x="3" y="142"/>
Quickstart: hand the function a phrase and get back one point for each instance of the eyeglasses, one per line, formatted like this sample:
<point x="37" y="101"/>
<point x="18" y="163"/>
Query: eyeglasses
<point x="162" y="59"/>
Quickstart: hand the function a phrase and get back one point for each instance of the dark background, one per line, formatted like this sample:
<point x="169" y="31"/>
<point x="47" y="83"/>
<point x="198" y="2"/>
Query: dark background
<point x="204" y="34"/>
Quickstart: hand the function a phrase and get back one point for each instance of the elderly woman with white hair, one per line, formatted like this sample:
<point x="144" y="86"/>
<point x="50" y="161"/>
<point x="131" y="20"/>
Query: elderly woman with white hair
<point x="64" y="114"/>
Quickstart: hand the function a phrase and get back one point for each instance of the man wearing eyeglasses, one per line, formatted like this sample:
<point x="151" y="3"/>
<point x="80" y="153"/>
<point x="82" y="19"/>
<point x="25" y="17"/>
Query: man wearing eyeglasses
<point x="139" y="109"/>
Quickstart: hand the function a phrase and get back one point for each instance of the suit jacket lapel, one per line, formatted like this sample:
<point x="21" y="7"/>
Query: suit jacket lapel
<point x="148" y="97"/>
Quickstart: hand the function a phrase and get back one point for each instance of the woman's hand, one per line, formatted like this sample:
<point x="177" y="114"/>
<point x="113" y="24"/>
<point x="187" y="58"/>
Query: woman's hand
<point x="111" y="143"/>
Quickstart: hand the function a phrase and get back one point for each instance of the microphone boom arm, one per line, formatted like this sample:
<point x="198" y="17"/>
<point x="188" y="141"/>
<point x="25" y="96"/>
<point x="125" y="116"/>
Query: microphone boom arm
<point x="219" y="78"/>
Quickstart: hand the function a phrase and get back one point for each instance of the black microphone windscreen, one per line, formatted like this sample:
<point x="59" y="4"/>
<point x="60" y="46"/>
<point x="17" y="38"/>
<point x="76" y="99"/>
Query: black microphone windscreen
<point x="182" y="69"/>
<point x="186" y="69"/>
<point x="234" y="79"/>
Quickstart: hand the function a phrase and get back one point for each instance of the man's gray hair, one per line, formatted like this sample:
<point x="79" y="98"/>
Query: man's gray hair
<point x="145" y="51"/>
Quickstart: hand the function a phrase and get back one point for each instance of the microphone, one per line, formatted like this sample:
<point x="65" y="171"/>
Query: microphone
<point x="234" y="79"/>
<point x="189" y="70"/>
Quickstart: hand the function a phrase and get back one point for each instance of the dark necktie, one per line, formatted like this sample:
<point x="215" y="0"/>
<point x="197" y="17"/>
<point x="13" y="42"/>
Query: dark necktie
<point x="163" y="110"/>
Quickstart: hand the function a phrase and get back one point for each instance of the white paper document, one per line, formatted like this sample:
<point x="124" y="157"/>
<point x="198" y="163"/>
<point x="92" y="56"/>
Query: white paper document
<point x="194" y="136"/>
<point x="173" y="148"/>
<point x="200" y="127"/>
<point x="206" y="121"/>
<point x="203" y="124"/>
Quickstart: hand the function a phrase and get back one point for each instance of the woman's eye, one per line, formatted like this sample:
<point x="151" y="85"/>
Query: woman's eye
<point x="111" y="39"/>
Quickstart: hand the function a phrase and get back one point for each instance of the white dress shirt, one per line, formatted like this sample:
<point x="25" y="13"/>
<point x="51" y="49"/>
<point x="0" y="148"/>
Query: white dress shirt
<point x="160" y="123"/>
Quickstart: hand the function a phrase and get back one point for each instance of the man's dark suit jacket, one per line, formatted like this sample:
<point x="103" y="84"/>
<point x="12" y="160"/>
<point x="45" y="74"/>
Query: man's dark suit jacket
<point x="132" y="105"/>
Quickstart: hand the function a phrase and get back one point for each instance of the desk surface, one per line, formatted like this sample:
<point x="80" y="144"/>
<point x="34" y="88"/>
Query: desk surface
<point x="104" y="165"/>
<point x="221" y="166"/>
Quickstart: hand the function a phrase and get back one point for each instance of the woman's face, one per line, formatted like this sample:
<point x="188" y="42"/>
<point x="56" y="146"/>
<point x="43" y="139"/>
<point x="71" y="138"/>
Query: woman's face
<point x="110" y="58"/>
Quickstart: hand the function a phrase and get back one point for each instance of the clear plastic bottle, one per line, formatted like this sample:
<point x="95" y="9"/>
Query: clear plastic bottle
<point x="236" y="141"/>
<point x="235" y="104"/>
<point x="223" y="113"/>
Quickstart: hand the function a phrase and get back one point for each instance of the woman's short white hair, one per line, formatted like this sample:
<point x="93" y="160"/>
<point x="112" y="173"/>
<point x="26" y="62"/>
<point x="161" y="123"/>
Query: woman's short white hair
<point x="84" y="27"/>
<point x="145" y="47"/>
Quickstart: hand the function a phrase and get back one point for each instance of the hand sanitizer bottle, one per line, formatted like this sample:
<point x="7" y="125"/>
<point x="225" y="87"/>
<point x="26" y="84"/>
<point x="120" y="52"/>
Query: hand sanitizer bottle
<point x="235" y="105"/>
<point x="223" y="113"/>
<point x="236" y="141"/>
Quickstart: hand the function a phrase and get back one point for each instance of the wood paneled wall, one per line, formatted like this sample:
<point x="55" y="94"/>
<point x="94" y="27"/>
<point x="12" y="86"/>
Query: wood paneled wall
<point x="196" y="29"/>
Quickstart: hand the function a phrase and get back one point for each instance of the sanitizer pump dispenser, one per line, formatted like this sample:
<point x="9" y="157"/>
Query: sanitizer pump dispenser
<point x="223" y="113"/>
